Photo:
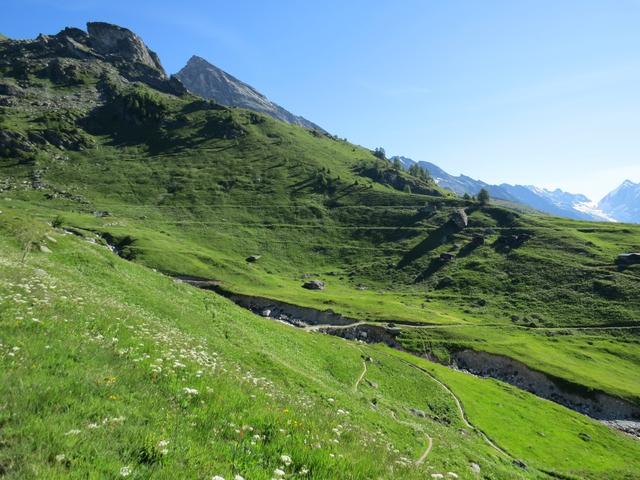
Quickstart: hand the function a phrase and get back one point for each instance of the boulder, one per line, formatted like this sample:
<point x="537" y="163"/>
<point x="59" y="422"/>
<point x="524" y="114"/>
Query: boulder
<point x="512" y="241"/>
<point x="418" y="412"/>
<point x="314" y="285"/>
<point x="447" y="257"/>
<point x="628" y="259"/>
<point x="459" y="218"/>
<point x="253" y="258"/>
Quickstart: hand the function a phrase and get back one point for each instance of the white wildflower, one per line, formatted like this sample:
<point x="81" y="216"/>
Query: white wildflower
<point x="125" y="471"/>
<point x="286" y="459"/>
<point x="217" y="477"/>
<point x="74" y="431"/>
<point x="190" y="391"/>
<point x="278" y="472"/>
<point x="61" y="457"/>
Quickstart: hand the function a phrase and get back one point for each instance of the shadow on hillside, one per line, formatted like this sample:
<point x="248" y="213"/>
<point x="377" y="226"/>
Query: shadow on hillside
<point x="468" y="249"/>
<point x="434" y="266"/>
<point x="302" y="184"/>
<point x="433" y="241"/>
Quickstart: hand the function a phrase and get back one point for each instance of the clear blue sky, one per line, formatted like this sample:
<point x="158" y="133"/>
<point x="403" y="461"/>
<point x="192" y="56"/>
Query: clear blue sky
<point x="543" y="92"/>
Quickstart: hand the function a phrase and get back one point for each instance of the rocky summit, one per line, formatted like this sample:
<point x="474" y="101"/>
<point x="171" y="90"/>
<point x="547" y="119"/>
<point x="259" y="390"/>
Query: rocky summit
<point x="121" y="43"/>
<point x="211" y="82"/>
<point x="68" y="55"/>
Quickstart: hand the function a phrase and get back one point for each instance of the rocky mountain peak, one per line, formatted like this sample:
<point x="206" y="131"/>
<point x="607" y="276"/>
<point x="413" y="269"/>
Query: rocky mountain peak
<point x="112" y="40"/>
<point x="205" y="79"/>
<point x="195" y="61"/>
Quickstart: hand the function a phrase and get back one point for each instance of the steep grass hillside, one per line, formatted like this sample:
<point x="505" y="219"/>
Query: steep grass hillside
<point x="110" y="368"/>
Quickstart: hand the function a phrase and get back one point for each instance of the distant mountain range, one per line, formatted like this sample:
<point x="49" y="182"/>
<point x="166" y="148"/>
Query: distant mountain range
<point x="204" y="79"/>
<point x="621" y="205"/>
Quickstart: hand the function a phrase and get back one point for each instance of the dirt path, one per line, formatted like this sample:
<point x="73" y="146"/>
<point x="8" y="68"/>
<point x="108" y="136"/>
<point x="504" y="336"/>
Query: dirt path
<point x="315" y="328"/>
<point x="418" y="326"/>
<point x="426" y="453"/>
<point x="463" y="416"/>
<point x="417" y="427"/>
<point x="364" y="372"/>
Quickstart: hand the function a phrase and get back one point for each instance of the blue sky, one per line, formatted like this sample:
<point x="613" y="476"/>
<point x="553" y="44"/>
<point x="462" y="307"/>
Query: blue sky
<point x="543" y="92"/>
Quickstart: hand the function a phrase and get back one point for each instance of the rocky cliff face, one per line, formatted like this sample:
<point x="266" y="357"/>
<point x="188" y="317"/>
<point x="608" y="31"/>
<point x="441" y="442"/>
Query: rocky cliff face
<point x="114" y="41"/>
<point x="209" y="81"/>
<point x="102" y="43"/>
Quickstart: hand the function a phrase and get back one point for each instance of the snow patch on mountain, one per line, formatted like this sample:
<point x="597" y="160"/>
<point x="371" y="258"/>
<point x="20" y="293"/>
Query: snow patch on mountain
<point x="623" y="203"/>
<point x="555" y="202"/>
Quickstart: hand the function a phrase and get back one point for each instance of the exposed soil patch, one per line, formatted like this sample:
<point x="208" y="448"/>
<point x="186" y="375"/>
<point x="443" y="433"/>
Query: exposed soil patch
<point x="592" y="403"/>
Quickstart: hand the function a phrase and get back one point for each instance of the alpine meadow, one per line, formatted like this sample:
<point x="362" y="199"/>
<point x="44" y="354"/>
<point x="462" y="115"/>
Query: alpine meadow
<point x="196" y="283"/>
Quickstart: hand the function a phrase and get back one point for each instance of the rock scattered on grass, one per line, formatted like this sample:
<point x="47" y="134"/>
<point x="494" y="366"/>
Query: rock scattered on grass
<point x="314" y="285"/>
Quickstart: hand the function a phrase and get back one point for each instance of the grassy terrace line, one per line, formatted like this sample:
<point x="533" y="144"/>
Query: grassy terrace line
<point x="107" y="360"/>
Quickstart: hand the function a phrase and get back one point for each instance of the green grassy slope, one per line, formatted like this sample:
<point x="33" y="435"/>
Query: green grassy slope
<point x="201" y="211"/>
<point x="185" y="186"/>
<point x="98" y="354"/>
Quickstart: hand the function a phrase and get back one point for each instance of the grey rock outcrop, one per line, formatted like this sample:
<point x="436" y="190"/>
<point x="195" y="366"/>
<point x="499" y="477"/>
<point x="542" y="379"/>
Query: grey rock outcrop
<point x="314" y="285"/>
<point x="459" y="218"/>
<point x="108" y="39"/>
<point x="69" y="54"/>
<point x="213" y="83"/>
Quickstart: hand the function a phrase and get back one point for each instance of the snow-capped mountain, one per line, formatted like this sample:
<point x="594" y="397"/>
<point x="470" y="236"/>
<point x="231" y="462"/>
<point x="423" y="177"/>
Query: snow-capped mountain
<point x="623" y="203"/>
<point x="555" y="202"/>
